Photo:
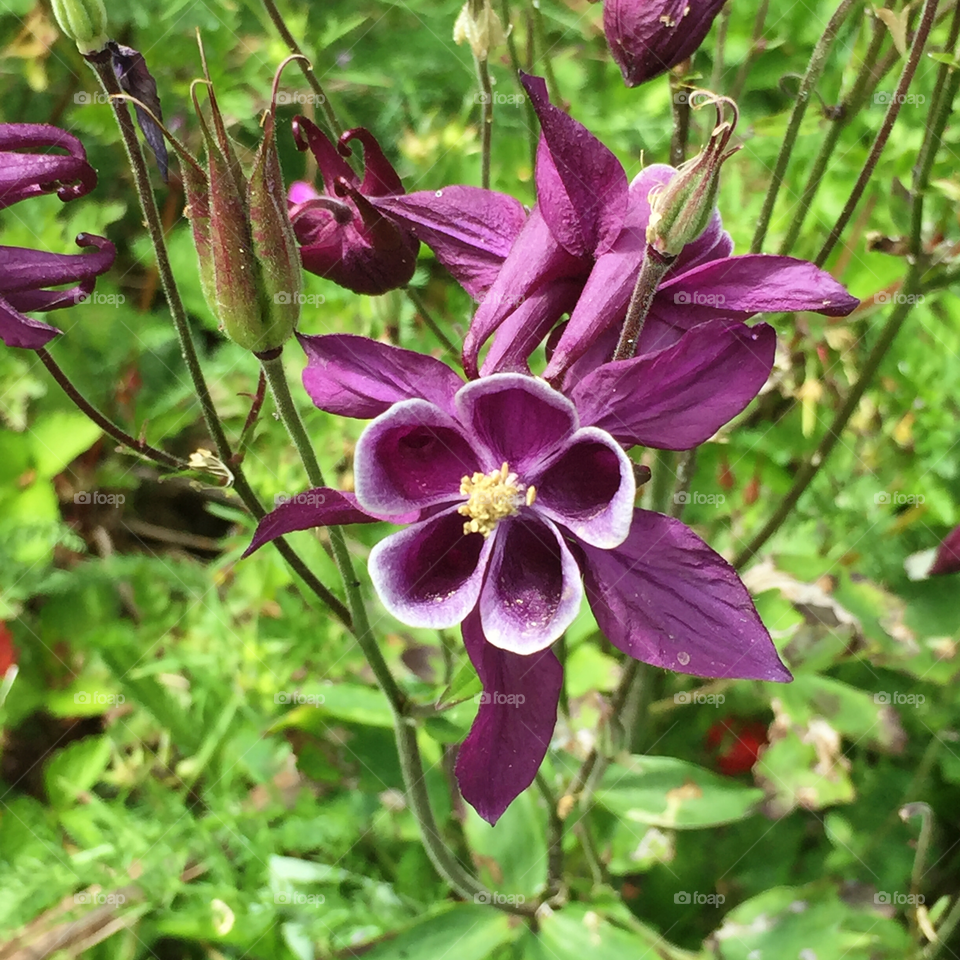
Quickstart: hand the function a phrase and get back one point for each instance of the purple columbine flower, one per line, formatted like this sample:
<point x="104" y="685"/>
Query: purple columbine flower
<point x="26" y="275"/>
<point x="519" y="500"/>
<point x="342" y="235"/>
<point x="648" y="37"/>
<point x="579" y="252"/>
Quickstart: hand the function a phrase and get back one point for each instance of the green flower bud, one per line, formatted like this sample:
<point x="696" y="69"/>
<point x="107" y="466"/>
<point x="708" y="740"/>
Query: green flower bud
<point x="480" y="26"/>
<point x="681" y="209"/>
<point x="84" y="22"/>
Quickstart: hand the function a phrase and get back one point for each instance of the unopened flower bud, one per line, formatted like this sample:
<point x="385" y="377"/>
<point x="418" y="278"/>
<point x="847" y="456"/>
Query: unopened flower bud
<point x="681" y="209"/>
<point x="84" y="22"/>
<point x="648" y="37"/>
<point x="480" y="26"/>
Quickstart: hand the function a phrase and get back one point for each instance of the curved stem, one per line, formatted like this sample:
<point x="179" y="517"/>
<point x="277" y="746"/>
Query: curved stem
<point x="818" y="60"/>
<point x="107" y="426"/>
<point x="893" y="111"/>
<point x="141" y="176"/>
<point x="277" y="379"/>
<point x="866" y="80"/>
<point x="305" y="65"/>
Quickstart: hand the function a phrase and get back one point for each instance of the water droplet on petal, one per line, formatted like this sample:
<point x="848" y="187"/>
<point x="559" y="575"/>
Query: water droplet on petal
<point x="683" y="658"/>
<point x="439" y="193"/>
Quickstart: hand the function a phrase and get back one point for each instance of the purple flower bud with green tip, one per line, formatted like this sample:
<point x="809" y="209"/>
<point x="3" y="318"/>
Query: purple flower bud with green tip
<point x="519" y="503"/>
<point x="948" y="555"/>
<point x="681" y="209"/>
<point x="26" y="275"/>
<point x="342" y="235"/>
<point x="648" y="37"/>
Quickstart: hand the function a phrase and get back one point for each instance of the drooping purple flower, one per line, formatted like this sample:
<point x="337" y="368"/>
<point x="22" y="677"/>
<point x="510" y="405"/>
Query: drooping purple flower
<point x="580" y="250"/>
<point x="648" y="37"/>
<point x="342" y="235"/>
<point x="520" y="500"/>
<point x="26" y="275"/>
<point x="948" y="555"/>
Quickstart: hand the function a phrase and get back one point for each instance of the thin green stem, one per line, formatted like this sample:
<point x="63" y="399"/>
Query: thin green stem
<point x="486" y="120"/>
<point x="890" y="118"/>
<point x="432" y="324"/>
<point x="723" y="22"/>
<point x="141" y="177"/>
<point x="277" y="380"/>
<point x="681" y="122"/>
<point x="756" y="45"/>
<point x="141" y="447"/>
<point x="306" y="66"/>
<point x="652" y="271"/>
<point x="933" y="950"/>
<point x="818" y="60"/>
<point x="541" y="36"/>
<point x="848" y="108"/>
<point x="554" y="840"/>
<point x="532" y="126"/>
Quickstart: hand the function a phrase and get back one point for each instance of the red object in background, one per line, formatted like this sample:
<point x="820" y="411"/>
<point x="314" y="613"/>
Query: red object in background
<point x="737" y="744"/>
<point x="8" y="652"/>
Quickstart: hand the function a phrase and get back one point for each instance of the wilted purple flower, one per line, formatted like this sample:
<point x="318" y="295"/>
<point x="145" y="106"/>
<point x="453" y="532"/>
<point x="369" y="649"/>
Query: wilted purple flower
<point x="519" y="500"/>
<point x="342" y="235"/>
<point x="134" y="77"/>
<point x="579" y="252"/>
<point x="948" y="555"/>
<point x="26" y="275"/>
<point x="648" y="37"/>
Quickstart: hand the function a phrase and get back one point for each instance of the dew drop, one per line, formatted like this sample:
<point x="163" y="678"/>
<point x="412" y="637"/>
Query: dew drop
<point x="683" y="658"/>
<point x="439" y="193"/>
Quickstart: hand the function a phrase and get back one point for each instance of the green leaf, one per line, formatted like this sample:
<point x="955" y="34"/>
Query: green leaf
<point x="467" y="932"/>
<point x="58" y="438"/>
<point x="75" y="769"/>
<point x="665" y="792"/>
<point x="347" y="702"/>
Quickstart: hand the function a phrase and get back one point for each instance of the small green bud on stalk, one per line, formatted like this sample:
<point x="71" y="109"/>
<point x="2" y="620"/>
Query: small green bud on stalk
<point x="480" y="26"/>
<point x="681" y="209"/>
<point x="84" y="22"/>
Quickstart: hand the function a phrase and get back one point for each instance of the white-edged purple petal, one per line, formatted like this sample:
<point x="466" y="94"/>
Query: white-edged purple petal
<point x="519" y="420"/>
<point x="430" y="574"/>
<point x="581" y="186"/>
<point x="320" y="507"/>
<point x="512" y="730"/>
<point x="679" y="397"/>
<point x="411" y="457"/>
<point x="589" y="489"/>
<point x="358" y="377"/>
<point x="533" y="589"/>
<point x="664" y="597"/>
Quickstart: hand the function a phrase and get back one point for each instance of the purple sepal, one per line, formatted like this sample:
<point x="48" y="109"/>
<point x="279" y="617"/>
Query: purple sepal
<point x="511" y="733"/>
<point x="664" y="597"/>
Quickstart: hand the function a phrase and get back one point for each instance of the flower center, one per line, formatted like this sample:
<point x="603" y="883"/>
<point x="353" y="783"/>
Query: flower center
<point x="493" y="496"/>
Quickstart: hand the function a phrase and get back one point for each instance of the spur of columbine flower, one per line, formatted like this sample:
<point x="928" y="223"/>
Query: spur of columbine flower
<point x="520" y="500"/>
<point x="947" y="559"/>
<point x="579" y="252"/>
<point x="342" y="235"/>
<point x="26" y="275"/>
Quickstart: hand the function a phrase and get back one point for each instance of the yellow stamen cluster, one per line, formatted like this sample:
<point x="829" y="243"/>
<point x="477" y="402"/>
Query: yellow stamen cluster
<point x="492" y="496"/>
